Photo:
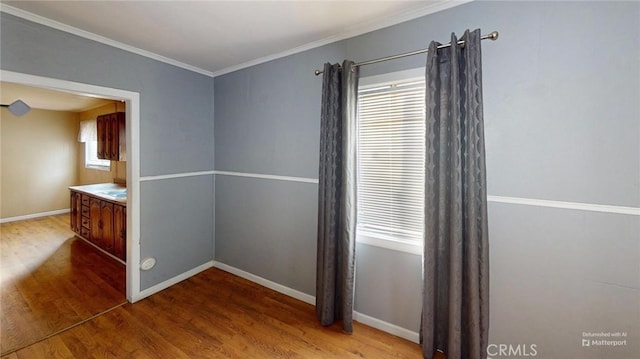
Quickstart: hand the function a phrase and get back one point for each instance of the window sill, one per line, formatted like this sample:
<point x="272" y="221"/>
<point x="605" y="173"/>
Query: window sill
<point x="372" y="240"/>
<point x="99" y="168"/>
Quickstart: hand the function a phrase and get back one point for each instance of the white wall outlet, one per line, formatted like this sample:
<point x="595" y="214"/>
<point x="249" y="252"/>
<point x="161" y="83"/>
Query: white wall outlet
<point x="148" y="263"/>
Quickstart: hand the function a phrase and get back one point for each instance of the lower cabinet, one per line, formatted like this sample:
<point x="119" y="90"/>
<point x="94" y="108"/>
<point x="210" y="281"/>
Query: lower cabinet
<point x="120" y="231"/>
<point x="101" y="218"/>
<point x="76" y="211"/>
<point x="102" y="222"/>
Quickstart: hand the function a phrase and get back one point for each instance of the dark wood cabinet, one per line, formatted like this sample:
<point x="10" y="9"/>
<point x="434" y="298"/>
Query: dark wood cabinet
<point x="101" y="215"/>
<point x="102" y="136"/>
<point x="101" y="222"/>
<point x="85" y="224"/>
<point x="111" y="136"/>
<point x="76" y="212"/>
<point x="120" y="232"/>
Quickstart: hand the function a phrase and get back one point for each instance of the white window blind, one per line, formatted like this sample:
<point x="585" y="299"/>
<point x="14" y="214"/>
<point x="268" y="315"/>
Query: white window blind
<point x="391" y="161"/>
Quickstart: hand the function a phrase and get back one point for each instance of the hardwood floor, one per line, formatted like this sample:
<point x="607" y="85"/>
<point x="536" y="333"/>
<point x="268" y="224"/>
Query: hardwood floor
<point x="50" y="280"/>
<point x="217" y="315"/>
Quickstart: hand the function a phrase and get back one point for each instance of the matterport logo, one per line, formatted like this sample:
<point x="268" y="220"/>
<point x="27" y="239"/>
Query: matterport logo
<point x="512" y="350"/>
<point x="604" y="339"/>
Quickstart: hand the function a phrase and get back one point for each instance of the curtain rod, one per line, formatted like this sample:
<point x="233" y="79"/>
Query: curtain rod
<point x="491" y="36"/>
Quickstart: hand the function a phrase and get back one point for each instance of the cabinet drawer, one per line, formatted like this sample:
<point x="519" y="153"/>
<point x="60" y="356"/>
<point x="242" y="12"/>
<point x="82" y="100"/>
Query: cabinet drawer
<point x="85" y="200"/>
<point x="86" y="222"/>
<point x="85" y="232"/>
<point x="85" y="211"/>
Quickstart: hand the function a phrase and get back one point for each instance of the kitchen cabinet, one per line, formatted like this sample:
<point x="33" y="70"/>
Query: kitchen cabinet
<point x="120" y="231"/>
<point x="111" y="136"/>
<point x="76" y="211"/>
<point x="101" y="217"/>
<point x="100" y="221"/>
<point x="85" y="220"/>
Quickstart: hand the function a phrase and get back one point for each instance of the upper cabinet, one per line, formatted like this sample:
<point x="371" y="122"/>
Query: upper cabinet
<point x="111" y="137"/>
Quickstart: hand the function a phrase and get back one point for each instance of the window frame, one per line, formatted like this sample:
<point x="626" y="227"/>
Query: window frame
<point x="91" y="160"/>
<point x="378" y="239"/>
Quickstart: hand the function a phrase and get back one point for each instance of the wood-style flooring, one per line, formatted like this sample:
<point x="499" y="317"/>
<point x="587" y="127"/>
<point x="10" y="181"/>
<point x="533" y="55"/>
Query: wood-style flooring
<point x="211" y="315"/>
<point x="50" y="280"/>
<point x="217" y="315"/>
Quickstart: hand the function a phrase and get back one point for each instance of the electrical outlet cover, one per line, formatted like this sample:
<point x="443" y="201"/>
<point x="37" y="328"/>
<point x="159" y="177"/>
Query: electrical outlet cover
<point x="148" y="263"/>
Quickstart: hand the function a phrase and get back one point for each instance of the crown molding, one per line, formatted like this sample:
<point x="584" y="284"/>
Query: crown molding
<point x="353" y="31"/>
<point x="97" y="38"/>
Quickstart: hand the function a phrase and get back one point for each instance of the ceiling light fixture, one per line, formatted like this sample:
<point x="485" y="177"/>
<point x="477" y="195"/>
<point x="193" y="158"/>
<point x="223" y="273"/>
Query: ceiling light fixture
<point x="18" y="108"/>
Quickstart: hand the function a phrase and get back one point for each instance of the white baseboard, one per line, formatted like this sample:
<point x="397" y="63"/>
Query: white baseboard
<point x="359" y="317"/>
<point x="387" y="327"/>
<point x="34" y="215"/>
<point x="169" y="282"/>
<point x="267" y="283"/>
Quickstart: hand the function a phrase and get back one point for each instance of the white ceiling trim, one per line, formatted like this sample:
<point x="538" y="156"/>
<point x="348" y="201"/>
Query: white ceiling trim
<point x="98" y="38"/>
<point x="351" y="32"/>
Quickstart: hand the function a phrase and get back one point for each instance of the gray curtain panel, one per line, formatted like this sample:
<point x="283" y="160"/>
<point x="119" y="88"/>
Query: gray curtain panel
<point x="337" y="196"/>
<point x="455" y="316"/>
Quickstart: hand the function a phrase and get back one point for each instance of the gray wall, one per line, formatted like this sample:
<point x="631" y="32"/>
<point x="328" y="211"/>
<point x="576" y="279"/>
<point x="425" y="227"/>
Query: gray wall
<point x="271" y="237"/>
<point x="267" y="123"/>
<point x="176" y="131"/>
<point x="561" y="109"/>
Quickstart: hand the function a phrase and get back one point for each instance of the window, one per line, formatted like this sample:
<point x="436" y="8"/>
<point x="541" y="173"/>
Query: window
<point x="391" y="165"/>
<point x="91" y="159"/>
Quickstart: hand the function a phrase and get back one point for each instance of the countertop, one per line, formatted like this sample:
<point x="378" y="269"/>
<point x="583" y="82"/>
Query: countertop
<point x="110" y="191"/>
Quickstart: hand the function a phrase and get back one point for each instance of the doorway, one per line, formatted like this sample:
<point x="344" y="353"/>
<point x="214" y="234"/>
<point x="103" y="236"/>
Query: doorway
<point x="132" y="105"/>
<point x="132" y="109"/>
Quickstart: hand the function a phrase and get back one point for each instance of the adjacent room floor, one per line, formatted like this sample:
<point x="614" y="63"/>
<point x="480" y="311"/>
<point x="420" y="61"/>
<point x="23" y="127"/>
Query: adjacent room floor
<point x="51" y="280"/>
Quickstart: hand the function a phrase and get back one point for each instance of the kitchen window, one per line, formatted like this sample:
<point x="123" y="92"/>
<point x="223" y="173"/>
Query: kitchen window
<point x="91" y="159"/>
<point x="391" y="120"/>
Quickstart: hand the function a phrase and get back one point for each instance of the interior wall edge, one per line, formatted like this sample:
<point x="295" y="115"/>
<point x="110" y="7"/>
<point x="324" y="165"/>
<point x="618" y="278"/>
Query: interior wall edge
<point x="169" y="282"/>
<point x="307" y="298"/>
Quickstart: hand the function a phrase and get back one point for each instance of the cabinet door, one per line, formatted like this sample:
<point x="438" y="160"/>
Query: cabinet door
<point x="106" y="217"/>
<point x="112" y="140"/>
<point x="122" y="138"/>
<point x="76" y="212"/>
<point x="101" y="125"/>
<point x="120" y="231"/>
<point x="96" y="221"/>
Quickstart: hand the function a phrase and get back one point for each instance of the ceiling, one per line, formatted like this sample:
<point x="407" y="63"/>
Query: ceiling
<point x="215" y="37"/>
<point x="46" y="99"/>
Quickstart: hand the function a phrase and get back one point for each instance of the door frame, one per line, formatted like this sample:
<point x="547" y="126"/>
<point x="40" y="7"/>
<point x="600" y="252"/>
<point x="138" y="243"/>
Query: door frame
<point x="132" y="100"/>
